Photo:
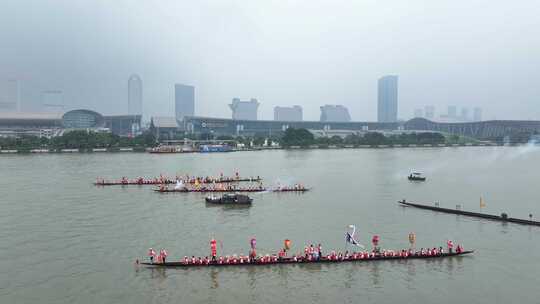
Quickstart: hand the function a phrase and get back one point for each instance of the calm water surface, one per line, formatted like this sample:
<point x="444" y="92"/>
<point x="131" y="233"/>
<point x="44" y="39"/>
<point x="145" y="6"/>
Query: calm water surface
<point x="67" y="241"/>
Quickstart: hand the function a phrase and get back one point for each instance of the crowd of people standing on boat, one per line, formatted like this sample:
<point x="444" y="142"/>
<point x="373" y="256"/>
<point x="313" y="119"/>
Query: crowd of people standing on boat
<point x="218" y="187"/>
<point x="157" y="258"/>
<point x="187" y="179"/>
<point x="311" y="254"/>
<point x="295" y="187"/>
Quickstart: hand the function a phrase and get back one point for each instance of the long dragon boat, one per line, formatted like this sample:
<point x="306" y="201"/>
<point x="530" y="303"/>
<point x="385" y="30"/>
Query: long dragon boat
<point x="228" y="190"/>
<point x="323" y="260"/>
<point x="501" y="218"/>
<point x="169" y="181"/>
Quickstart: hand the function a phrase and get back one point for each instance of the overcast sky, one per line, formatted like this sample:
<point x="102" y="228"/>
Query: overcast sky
<point x="446" y="52"/>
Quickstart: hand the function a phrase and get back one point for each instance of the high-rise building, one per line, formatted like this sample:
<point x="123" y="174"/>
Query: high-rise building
<point x="246" y="110"/>
<point x="452" y="112"/>
<point x="184" y="101"/>
<point x="335" y="113"/>
<point x="464" y="114"/>
<point x="293" y="113"/>
<point x="135" y="95"/>
<point x="387" y="100"/>
<point x="429" y="112"/>
<point x="477" y="114"/>
<point x="11" y="101"/>
<point x="418" y="113"/>
<point x="53" y="101"/>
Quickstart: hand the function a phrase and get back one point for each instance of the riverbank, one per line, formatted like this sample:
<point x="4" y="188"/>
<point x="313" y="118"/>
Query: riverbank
<point x="311" y="147"/>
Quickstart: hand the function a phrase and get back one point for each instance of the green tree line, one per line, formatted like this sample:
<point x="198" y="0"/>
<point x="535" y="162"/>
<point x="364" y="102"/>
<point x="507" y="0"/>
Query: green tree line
<point x="302" y="137"/>
<point x="79" y="139"/>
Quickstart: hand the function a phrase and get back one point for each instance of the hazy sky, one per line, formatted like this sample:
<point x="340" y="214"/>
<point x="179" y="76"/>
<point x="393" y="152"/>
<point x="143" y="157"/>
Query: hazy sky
<point x="465" y="53"/>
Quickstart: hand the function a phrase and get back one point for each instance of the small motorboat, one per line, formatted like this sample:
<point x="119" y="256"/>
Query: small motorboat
<point x="230" y="199"/>
<point x="416" y="176"/>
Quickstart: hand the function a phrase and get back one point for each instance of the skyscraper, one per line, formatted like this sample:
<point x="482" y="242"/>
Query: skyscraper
<point x="452" y="112"/>
<point x="184" y="101"/>
<point x="134" y="95"/>
<point x="293" y="113"/>
<point x="337" y="113"/>
<point x="464" y="114"/>
<point x="387" y="101"/>
<point x="11" y="101"/>
<point x="246" y="110"/>
<point x="418" y="113"/>
<point x="53" y="101"/>
<point x="477" y="114"/>
<point x="429" y="112"/>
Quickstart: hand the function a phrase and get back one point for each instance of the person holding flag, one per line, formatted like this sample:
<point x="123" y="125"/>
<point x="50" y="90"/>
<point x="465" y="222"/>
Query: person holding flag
<point x="349" y="237"/>
<point x="179" y="185"/>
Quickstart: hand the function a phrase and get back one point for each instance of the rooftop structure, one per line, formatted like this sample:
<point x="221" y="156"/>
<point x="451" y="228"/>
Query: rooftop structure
<point x="293" y="113"/>
<point x="336" y="113"/>
<point x="244" y="109"/>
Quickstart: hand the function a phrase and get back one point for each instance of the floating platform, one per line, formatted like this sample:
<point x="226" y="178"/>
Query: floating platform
<point x="501" y="218"/>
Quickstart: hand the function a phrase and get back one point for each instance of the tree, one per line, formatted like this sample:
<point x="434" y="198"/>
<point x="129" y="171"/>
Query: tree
<point x="375" y="138"/>
<point x="297" y="137"/>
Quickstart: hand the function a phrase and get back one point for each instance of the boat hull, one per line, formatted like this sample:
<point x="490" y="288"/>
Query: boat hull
<point x="472" y="214"/>
<point x="208" y="190"/>
<point x="226" y="190"/>
<point x="220" y="201"/>
<point x="170" y="182"/>
<point x="322" y="261"/>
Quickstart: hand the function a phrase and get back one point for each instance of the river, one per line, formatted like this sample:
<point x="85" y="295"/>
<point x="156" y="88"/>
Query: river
<point x="63" y="240"/>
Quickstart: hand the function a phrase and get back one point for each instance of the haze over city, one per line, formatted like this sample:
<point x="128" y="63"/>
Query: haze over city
<point x="465" y="53"/>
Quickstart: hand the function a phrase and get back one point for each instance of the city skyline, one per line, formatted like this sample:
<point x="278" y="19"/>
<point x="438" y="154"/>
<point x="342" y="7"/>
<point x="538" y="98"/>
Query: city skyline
<point x="91" y="63"/>
<point x="134" y="97"/>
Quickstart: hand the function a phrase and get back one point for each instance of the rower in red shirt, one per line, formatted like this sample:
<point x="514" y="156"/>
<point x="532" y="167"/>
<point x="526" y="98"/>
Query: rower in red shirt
<point x="213" y="249"/>
<point x="450" y="245"/>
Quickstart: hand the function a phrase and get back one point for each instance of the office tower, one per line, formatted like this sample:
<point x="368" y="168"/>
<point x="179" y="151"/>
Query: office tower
<point x="11" y="101"/>
<point x="387" y="100"/>
<point x="184" y="101"/>
<point x="53" y="101"/>
<point x="464" y="114"/>
<point x="134" y="95"/>
<point x="452" y="112"/>
<point x="429" y="112"/>
<point x="477" y="114"/>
